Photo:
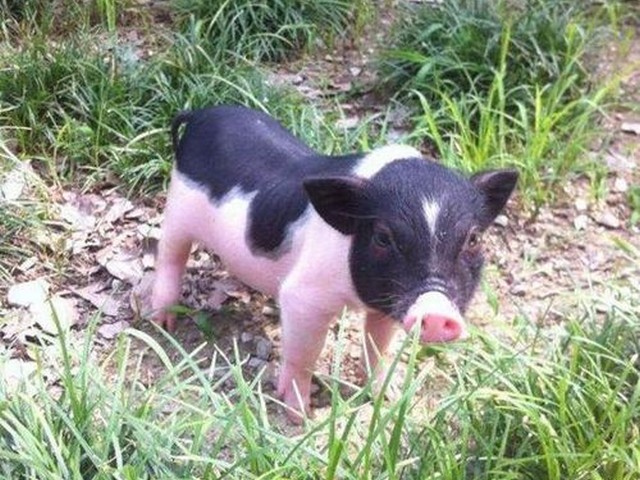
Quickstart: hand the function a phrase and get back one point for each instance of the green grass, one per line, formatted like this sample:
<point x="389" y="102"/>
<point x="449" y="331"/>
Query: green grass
<point x="493" y="84"/>
<point x="92" y="104"/>
<point x="272" y="31"/>
<point x="552" y="404"/>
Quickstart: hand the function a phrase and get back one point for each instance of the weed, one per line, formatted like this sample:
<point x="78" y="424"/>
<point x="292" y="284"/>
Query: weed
<point x="265" y="31"/>
<point x="562" y="404"/>
<point x="634" y="203"/>
<point x="502" y="85"/>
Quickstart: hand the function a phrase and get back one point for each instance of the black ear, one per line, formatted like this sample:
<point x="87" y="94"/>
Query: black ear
<point x="340" y="201"/>
<point x="496" y="186"/>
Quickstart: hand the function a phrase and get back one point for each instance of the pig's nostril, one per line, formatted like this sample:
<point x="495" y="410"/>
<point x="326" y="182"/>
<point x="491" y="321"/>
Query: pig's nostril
<point x="439" y="328"/>
<point x="451" y="326"/>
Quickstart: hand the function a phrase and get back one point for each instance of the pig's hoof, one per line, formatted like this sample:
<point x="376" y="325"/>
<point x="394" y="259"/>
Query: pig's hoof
<point x="297" y="406"/>
<point x="165" y="320"/>
<point x="294" y="416"/>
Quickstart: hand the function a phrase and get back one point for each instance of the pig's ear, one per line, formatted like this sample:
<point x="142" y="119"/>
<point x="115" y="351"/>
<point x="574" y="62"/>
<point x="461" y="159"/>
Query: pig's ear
<point x="496" y="186"/>
<point x="338" y="200"/>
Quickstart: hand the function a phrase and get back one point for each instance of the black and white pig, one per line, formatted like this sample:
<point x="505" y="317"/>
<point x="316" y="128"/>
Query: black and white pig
<point x="386" y="232"/>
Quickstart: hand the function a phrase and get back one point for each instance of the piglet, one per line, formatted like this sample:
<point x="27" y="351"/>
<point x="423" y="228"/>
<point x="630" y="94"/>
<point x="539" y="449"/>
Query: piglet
<point x="386" y="232"/>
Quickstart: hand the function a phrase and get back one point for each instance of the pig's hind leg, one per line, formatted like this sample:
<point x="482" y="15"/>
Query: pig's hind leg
<point x="173" y="252"/>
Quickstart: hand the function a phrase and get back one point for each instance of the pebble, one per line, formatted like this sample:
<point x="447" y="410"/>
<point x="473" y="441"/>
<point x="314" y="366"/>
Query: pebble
<point x="581" y="222"/>
<point x="263" y="348"/>
<point x="501" y="220"/>
<point x="519" y="290"/>
<point x="581" y="204"/>
<point x="620" y="185"/>
<point x="256" y="363"/>
<point x="246" y="337"/>
<point x="607" y="219"/>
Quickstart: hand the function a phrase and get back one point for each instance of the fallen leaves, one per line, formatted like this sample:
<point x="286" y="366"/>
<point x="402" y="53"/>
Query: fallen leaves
<point x="48" y="312"/>
<point x="28" y="293"/>
<point x="95" y="294"/>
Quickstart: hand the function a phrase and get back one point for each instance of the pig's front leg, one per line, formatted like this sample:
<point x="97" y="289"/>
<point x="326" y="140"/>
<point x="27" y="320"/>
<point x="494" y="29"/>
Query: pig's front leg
<point x="173" y="252"/>
<point x="305" y="322"/>
<point x="378" y="333"/>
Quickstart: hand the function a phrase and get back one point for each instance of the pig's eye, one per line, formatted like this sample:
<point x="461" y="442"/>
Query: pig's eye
<point x="474" y="239"/>
<point x="382" y="238"/>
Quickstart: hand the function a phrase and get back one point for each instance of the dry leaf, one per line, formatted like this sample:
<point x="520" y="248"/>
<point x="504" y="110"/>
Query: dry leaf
<point x="28" y="293"/>
<point x="118" y="210"/>
<point x="348" y="122"/>
<point x="140" y="297"/>
<point x="16" y="323"/>
<point x="126" y="267"/>
<point x="14" y="371"/>
<point x="60" y="309"/>
<point x="13" y="183"/>
<point x="111" y="330"/>
<point x="94" y="294"/>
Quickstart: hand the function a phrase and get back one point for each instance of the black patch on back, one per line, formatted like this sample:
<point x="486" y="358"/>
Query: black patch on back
<point x="231" y="146"/>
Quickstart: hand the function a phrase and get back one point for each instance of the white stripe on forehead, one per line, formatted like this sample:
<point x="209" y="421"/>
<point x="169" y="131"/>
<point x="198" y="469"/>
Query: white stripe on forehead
<point x="375" y="160"/>
<point x="431" y="210"/>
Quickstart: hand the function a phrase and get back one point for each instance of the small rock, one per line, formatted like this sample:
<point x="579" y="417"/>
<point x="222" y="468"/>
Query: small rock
<point x="519" y="290"/>
<point x="620" y="185"/>
<point x="501" y="220"/>
<point x="608" y="220"/>
<point x="581" y="204"/>
<point x="256" y="363"/>
<point x="246" y="337"/>
<point x="268" y="311"/>
<point x="580" y="222"/>
<point x="28" y="293"/>
<point x="355" y="71"/>
<point x="630" y="127"/>
<point x="297" y="79"/>
<point x="263" y="348"/>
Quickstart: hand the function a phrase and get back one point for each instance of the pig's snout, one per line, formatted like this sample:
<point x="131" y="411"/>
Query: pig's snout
<point x="440" y="319"/>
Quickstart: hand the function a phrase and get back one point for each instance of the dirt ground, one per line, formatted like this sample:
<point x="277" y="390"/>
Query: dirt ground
<point x="96" y="254"/>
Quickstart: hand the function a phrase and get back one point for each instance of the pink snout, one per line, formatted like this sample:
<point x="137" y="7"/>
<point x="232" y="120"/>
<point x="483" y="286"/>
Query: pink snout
<point x="439" y="318"/>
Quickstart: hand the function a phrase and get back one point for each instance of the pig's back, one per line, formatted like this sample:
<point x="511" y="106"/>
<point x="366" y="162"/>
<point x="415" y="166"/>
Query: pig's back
<point x="228" y="146"/>
<point x="232" y="152"/>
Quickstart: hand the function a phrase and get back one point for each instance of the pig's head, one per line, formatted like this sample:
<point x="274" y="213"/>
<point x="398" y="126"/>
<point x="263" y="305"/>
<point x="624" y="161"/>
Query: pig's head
<point x="417" y="228"/>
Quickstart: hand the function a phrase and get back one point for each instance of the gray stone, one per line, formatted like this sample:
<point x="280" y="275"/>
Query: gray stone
<point x="263" y="348"/>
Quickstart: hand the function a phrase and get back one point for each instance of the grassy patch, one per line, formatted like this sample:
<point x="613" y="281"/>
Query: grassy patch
<point x="92" y="104"/>
<point x="561" y="404"/>
<point x="495" y="83"/>
<point x="274" y="30"/>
